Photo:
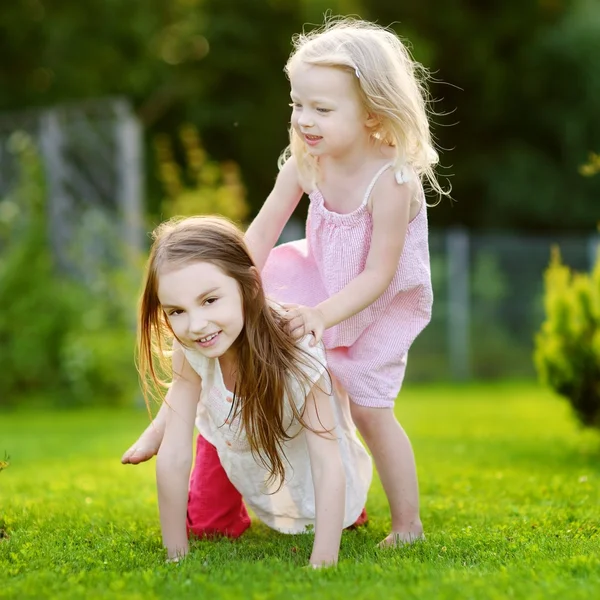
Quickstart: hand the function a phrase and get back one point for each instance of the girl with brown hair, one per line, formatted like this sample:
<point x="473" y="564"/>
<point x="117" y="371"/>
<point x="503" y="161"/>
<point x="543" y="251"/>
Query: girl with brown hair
<point x="270" y="429"/>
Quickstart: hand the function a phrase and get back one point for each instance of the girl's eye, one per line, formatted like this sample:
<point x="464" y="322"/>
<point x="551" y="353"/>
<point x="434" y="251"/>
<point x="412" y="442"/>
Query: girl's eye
<point x="175" y="312"/>
<point x="210" y="300"/>
<point x="324" y="110"/>
<point x="295" y="105"/>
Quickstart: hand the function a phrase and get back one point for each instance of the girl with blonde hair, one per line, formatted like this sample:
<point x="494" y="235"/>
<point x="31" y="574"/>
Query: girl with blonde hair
<point x="360" y="147"/>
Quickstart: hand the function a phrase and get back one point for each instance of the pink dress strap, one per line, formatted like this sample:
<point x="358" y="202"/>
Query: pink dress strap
<point x="374" y="181"/>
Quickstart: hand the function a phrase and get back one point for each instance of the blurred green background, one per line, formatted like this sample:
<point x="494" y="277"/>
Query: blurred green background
<point x="116" y="114"/>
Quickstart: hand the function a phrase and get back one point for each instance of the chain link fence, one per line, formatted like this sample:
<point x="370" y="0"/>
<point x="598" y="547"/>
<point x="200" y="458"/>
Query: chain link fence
<point x="92" y="157"/>
<point x="489" y="302"/>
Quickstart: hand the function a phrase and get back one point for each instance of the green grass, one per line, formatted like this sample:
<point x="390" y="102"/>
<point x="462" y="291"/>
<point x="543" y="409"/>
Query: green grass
<point x="510" y="503"/>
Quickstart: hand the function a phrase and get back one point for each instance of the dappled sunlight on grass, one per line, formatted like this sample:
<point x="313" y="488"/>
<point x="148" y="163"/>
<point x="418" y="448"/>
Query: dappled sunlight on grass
<point x="509" y="493"/>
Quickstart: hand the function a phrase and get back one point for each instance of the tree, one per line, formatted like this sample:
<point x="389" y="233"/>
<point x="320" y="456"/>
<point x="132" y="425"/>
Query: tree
<point x="520" y="86"/>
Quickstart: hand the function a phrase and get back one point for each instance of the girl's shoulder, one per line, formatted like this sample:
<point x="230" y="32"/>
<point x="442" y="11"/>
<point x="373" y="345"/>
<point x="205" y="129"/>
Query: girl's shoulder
<point x="314" y="353"/>
<point x="198" y="362"/>
<point x="312" y="365"/>
<point x="395" y="183"/>
<point x="302" y="177"/>
<point x="409" y="184"/>
<point x="311" y="358"/>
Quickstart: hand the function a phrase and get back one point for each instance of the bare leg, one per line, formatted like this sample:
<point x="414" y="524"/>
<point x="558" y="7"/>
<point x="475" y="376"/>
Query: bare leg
<point x="395" y="462"/>
<point x="149" y="442"/>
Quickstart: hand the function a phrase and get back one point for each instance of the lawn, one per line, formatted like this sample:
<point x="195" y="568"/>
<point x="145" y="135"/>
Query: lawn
<point x="510" y="502"/>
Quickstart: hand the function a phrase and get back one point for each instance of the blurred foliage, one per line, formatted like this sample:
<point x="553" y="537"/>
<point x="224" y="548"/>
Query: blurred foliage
<point x="521" y="85"/>
<point x="567" y="353"/>
<point x="494" y="349"/>
<point x="515" y="96"/>
<point x="5" y="462"/>
<point x="202" y="186"/>
<point x="62" y="342"/>
<point x="592" y="166"/>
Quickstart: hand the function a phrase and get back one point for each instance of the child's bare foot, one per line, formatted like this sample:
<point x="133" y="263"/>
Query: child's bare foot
<point x="402" y="538"/>
<point x="144" y="449"/>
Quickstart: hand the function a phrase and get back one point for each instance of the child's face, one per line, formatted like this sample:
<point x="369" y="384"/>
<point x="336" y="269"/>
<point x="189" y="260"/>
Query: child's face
<point x="327" y="112"/>
<point x="204" y="307"/>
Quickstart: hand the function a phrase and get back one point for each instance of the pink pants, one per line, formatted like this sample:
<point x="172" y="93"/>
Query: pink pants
<point x="215" y="507"/>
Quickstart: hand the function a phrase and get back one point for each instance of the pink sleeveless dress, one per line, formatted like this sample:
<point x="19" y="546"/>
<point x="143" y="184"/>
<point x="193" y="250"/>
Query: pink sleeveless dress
<point x="367" y="353"/>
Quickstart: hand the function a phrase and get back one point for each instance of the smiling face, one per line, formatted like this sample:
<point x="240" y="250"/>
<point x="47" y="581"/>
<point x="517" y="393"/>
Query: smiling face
<point x="204" y="307"/>
<point x="327" y="111"/>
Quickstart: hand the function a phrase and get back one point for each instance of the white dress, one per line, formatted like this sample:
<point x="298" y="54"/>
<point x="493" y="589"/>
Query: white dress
<point x="292" y="508"/>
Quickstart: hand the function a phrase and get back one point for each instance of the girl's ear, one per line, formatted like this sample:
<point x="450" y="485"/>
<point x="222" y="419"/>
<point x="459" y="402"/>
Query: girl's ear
<point x="372" y="122"/>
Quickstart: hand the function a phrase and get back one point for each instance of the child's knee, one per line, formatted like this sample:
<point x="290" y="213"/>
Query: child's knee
<point x="361" y="416"/>
<point x="219" y="527"/>
<point x="369" y="419"/>
<point x="212" y="532"/>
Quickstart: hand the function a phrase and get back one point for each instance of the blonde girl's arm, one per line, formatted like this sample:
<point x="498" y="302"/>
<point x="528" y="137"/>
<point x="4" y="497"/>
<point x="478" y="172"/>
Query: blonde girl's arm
<point x="174" y="459"/>
<point x="390" y="213"/>
<point x="265" y="229"/>
<point x="328" y="476"/>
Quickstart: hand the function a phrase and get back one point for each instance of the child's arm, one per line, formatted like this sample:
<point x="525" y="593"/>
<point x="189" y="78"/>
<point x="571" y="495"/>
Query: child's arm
<point x="328" y="475"/>
<point x="148" y="443"/>
<point x="174" y="459"/>
<point x="390" y="213"/>
<point x="265" y="229"/>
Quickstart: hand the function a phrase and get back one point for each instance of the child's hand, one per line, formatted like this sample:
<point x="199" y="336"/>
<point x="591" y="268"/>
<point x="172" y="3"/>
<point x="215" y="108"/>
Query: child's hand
<point x="175" y="559"/>
<point x="320" y="565"/>
<point x="303" y="320"/>
<point x="144" y="449"/>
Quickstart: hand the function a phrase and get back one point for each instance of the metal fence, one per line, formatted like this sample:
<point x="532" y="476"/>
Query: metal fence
<point x="92" y="154"/>
<point x="488" y="287"/>
<point x="489" y="302"/>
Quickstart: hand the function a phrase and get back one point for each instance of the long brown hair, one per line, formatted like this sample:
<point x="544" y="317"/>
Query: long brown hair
<point x="269" y="360"/>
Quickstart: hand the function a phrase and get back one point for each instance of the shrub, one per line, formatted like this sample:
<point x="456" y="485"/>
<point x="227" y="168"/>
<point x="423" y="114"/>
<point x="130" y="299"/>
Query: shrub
<point x="5" y="463"/>
<point x="567" y="348"/>
<point x="194" y="184"/>
<point x="63" y="341"/>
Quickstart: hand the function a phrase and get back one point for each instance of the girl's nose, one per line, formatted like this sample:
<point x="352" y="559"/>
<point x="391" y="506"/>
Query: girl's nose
<point x="305" y="120"/>
<point x="197" y="325"/>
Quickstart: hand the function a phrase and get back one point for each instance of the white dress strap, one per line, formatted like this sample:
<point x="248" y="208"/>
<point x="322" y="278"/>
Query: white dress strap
<point x="374" y="181"/>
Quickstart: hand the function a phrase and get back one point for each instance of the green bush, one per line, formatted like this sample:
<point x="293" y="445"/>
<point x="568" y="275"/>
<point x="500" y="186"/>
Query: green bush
<point x="567" y="348"/>
<point x="63" y="342"/>
<point x="202" y="186"/>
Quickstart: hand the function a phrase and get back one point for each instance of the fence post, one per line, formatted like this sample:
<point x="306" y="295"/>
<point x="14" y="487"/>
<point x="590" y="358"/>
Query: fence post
<point x="59" y="221"/>
<point x="130" y="170"/>
<point x="593" y="249"/>
<point x="458" y="317"/>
